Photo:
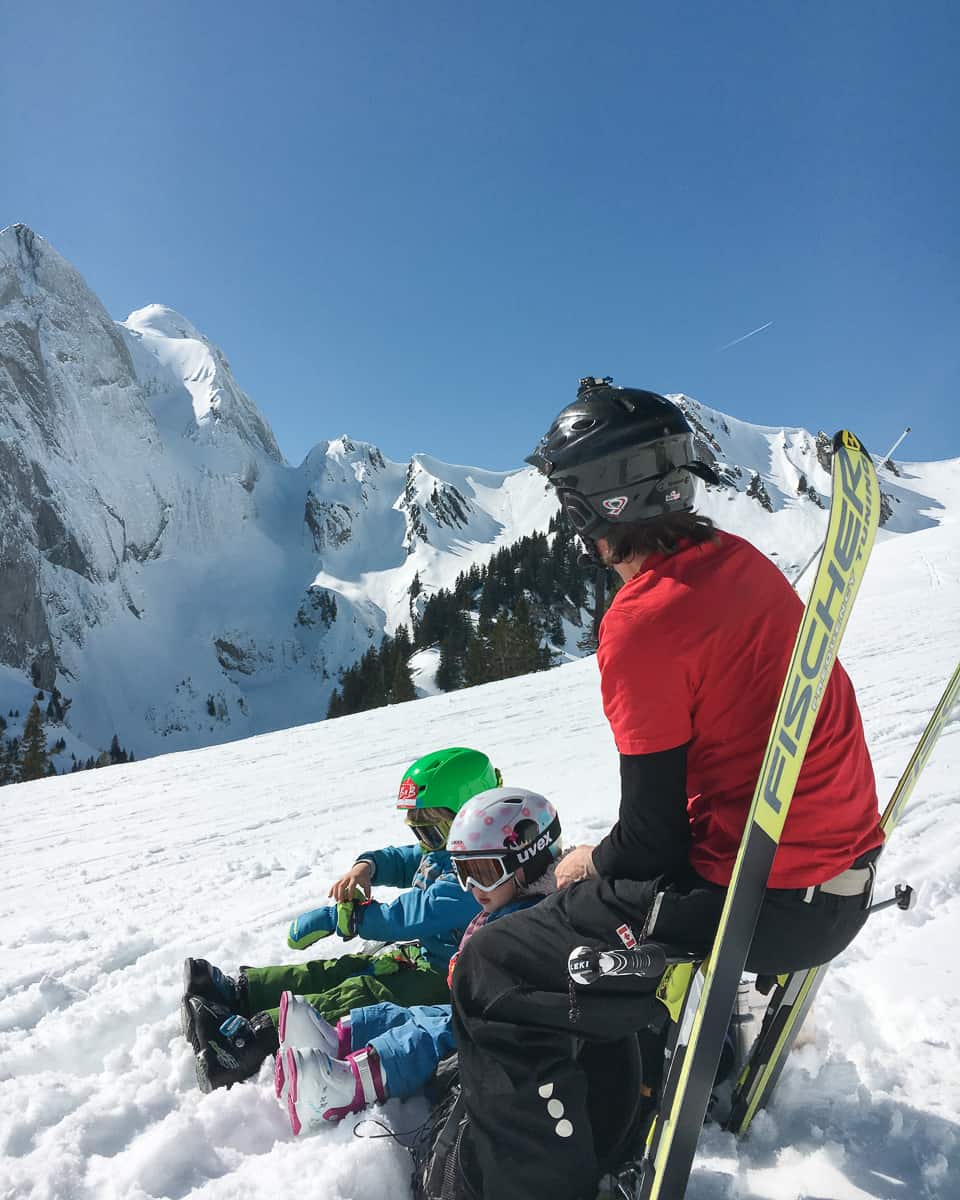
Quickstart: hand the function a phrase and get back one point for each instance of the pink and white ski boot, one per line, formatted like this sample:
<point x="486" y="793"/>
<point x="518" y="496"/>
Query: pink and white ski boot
<point x="321" y="1090"/>
<point x="300" y="1025"/>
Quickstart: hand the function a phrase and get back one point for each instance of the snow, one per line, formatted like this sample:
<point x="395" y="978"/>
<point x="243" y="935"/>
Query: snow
<point x="423" y="671"/>
<point x="112" y="877"/>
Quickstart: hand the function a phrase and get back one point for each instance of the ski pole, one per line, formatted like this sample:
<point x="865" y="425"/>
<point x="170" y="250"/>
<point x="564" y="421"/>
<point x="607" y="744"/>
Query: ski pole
<point x="889" y="453"/>
<point x="903" y="897"/>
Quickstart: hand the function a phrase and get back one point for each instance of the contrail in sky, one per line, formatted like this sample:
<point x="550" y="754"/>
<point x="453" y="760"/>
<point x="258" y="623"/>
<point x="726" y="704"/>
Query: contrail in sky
<point x="746" y="335"/>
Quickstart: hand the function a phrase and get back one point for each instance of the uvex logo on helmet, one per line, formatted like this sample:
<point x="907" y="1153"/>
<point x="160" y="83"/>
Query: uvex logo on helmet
<point x="408" y="792"/>
<point x="613" y="506"/>
<point x="542" y="842"/>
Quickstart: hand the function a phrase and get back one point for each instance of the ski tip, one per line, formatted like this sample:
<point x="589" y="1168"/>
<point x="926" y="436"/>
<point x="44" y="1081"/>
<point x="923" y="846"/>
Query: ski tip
<point x="844" y="439"/>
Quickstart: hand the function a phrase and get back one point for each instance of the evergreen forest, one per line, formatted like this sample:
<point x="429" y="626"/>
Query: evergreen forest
<point x="498" y="620"/>
<point x="29" y="755"/>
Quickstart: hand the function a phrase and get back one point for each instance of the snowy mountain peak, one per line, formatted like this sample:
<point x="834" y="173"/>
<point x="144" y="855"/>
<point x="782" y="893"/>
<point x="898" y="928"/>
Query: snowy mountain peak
<point x="49" y="312"/>
<point x="173" y="356"/>
<point x="18" y="241"/>
<point x="161" y="321"/>
<point x="432" y="502"/>
<point x="345" y="449"/>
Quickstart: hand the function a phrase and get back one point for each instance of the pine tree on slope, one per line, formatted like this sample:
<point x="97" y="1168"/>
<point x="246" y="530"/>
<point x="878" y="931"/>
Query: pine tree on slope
<point x="35" y="761"/>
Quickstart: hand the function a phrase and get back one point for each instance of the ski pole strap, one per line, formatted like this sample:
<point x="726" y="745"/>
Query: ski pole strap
<point x="855" y="881"/>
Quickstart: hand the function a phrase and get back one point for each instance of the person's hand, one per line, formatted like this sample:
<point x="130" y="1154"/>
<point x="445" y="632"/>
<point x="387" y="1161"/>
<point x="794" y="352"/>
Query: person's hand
<point x="576" y="865"/>
<point x="358" y="877"/>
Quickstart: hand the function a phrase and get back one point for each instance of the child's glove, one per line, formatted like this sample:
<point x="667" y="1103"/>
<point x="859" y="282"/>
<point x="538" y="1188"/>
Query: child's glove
<point x="319" y="923"/>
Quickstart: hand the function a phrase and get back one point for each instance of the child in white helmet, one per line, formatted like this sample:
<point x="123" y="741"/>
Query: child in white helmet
<point x="504" y="843"/>
<point x="231" y="1021"/>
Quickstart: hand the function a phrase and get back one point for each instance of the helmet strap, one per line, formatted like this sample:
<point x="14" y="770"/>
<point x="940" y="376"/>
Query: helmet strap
<point x="588" y="556"/>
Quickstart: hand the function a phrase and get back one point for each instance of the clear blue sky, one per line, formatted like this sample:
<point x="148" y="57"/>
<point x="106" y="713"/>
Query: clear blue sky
<point x="419" y="223"/>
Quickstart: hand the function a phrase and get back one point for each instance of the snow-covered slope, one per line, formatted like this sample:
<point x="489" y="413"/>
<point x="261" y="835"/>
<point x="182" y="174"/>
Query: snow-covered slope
<point x="183" y="585"/>
<point x="112" y="877"/>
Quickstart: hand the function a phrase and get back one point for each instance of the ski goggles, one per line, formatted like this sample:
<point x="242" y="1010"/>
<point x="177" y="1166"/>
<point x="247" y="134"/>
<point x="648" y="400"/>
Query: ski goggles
<point x="483" y="873"/>
<point x="430" y="826"/>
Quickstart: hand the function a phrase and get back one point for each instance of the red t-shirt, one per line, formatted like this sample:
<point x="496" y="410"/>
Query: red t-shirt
<point x="693" y="651"/>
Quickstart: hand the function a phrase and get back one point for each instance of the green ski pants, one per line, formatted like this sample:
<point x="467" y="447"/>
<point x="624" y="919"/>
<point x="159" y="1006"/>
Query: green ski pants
<point x="335" y="985"/>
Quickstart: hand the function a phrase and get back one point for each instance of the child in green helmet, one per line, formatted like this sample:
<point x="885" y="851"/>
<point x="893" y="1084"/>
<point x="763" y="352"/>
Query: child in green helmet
<point x="231" y="1022"/>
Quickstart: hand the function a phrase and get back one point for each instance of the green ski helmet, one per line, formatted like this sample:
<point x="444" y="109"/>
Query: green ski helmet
<point x="435" y="787"/>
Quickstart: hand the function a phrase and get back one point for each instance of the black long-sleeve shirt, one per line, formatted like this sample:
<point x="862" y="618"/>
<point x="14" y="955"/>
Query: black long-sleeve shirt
<point x="652" y="833"/>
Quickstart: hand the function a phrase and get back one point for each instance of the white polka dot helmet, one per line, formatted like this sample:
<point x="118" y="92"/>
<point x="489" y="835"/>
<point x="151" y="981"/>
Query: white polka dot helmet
<point x="512" y="827"/>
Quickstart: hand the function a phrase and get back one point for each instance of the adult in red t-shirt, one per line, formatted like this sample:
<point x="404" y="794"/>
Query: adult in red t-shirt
<point x="693" y="653"/>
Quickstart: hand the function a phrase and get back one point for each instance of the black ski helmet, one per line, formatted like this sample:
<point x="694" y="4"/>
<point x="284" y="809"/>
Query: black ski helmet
<point x="619" y="456"/>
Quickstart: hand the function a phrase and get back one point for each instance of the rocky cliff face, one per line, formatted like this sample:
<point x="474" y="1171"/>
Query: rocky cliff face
<point x="68" y="391"/>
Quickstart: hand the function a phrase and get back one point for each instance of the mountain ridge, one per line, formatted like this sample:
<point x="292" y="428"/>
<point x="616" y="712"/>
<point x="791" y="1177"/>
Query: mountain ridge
<point x="168" y="569"/>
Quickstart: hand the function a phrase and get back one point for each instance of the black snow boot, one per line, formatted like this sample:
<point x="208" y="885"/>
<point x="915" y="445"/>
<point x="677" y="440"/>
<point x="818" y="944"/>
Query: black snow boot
<point x="203" y="979"/>
<point x="189" y="1007"/>
<point x="231" y="1048"/>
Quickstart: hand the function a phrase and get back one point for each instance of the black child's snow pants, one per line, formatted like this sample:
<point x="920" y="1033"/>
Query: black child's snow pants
<point x="523" y="1088"/>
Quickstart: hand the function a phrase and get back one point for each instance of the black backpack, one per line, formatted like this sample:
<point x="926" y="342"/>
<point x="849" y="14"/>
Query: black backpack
<point x="443" y="1164"/>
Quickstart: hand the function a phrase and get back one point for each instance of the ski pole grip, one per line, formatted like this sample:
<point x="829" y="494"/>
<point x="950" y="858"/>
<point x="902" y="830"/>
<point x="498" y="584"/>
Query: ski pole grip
<point x="586" y="965"/>
<point x="583" y="965"/>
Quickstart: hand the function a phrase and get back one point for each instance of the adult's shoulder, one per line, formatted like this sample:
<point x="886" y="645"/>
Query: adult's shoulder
<point x="748" y="556"/>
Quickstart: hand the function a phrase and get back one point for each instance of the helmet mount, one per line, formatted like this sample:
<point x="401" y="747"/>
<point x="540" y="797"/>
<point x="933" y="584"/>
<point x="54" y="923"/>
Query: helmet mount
<point x="589" y="382"/>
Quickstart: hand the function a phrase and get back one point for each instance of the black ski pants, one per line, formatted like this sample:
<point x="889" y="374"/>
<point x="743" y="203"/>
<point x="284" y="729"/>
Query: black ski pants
<point x="518" y="1033"/>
